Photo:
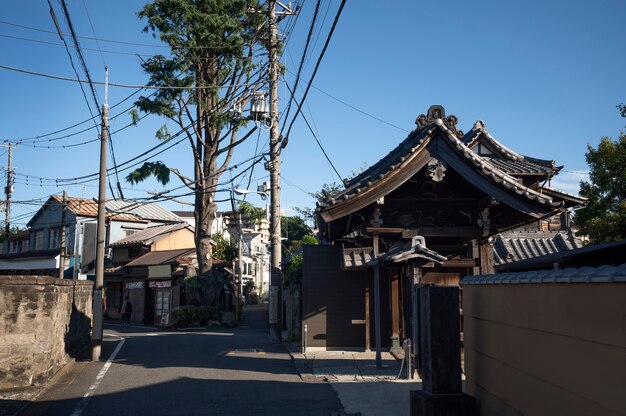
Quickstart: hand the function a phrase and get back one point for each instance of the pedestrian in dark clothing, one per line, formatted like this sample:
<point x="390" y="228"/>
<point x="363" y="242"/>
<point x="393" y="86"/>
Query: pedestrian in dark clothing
<point x="127" y="309"/>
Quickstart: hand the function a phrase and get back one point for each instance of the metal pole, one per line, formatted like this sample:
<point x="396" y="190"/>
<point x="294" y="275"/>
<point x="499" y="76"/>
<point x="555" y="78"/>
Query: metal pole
<point x="275" y="305"/>
<point x="96" y="334"/>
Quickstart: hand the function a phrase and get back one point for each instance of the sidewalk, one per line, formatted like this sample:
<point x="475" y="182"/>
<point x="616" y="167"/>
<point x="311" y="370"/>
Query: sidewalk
<point x="362" y="388"/>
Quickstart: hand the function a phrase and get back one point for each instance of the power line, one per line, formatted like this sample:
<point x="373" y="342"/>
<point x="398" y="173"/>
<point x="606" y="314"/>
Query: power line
<point x="149" y="45"/>
<point x="317" y="65"/>
<point x="318" y="142"/>
<point x="32" y="138"/>
<point x="113" y="84"/>
<point x="46" y="42"/>
<point x="93" y="30"/>
<point x="302" y="59"/>
<point x="56" y="23"/>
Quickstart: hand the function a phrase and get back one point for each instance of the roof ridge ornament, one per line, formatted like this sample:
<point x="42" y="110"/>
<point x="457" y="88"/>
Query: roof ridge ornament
<point x="435" y="113"/>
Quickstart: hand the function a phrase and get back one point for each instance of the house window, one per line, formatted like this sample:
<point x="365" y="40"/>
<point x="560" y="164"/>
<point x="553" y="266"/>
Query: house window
<point x="55" y="238"/>
<point x="39" y="240"/>
<point x="128" y="232"/>
<point x="16" y="247"/>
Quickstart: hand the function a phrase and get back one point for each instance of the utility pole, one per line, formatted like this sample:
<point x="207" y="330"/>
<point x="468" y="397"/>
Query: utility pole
<point x="8" y="190"/>
<point x="239" y="254"/>
<point x="275" y="293"/>
<point x="62" y="243"/>
<point x="96" y="333"/>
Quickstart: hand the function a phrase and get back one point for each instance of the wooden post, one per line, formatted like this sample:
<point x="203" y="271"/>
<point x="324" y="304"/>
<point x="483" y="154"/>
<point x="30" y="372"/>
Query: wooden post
<point x="486" y="257"/>
<point x="379" y="361"/>
<point x="395" y="311"/>
<point x="368" y="343"/>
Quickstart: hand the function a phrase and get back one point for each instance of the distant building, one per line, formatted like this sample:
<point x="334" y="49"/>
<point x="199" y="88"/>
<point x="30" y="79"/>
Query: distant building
<point x="40" y="249"/>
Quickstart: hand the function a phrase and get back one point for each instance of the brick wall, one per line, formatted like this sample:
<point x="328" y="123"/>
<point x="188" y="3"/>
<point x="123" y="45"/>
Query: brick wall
<point x="44" y="322"/>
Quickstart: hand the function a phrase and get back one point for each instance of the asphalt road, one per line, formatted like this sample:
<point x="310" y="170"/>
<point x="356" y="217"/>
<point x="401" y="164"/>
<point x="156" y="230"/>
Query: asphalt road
<point x="222" y="371"/>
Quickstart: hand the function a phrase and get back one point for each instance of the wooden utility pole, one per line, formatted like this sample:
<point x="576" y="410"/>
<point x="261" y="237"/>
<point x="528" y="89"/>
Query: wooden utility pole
<point x="96" y="333"/>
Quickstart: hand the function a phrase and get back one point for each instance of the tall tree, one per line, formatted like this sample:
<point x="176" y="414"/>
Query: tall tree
<point x="211" y="69"/>
<point x="604" y="216"/>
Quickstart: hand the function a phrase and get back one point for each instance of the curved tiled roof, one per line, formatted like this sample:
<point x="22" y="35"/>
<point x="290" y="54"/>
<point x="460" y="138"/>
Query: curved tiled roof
<point x="520" y="245"/>
<point x="411" y="146"/>
<point x="509" y="161"/>
<point x="602" y="274"/>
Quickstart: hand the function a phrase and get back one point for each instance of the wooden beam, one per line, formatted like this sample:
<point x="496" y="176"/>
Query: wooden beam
<point x="459" y="263"/>
<point x="384" y="230"/>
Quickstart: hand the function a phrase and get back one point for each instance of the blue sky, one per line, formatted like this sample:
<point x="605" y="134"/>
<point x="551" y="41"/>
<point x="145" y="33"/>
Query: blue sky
<point x="544" y="76"/>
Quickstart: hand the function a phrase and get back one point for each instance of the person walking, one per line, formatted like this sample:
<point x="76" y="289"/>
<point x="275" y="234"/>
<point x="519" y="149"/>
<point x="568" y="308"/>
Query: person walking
<point x="127" y="309"/>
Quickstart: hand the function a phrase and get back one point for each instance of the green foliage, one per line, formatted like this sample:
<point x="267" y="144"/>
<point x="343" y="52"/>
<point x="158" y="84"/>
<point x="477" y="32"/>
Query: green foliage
<point x="225" y="250"/>
<point x="622" y="109"/>
<point x="294" y="229"/>
<point x="250" y="212"/>
<point x="309" y="240"/>
<point x="190" y="315"/>
<point x="156" y="169"/>
<point x="134" y="114"/>
<point x="14" y="229"/>
<point x="604" y="216"/>
<point x="163" y="134"/>
<point x="212" y="66"/>
<point x="327" y="190"/>
<point x="293" y="274"/>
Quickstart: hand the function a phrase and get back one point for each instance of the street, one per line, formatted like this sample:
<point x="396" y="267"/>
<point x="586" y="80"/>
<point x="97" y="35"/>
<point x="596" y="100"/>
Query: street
<point x="219" y="371"/>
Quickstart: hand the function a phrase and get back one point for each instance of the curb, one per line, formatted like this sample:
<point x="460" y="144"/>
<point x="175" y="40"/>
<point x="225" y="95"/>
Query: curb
<point x="300" y="363"/>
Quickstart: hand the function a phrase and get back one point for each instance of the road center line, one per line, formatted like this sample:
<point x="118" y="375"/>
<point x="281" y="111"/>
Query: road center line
<point x="85" y="400"/>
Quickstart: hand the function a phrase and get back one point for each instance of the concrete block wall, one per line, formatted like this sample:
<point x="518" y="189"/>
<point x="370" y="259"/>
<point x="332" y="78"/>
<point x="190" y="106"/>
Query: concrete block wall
<point x="44" y="322"/>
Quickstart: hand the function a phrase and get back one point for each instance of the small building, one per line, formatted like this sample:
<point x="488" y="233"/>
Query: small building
<point x="426" y="213"/>
<point x="149" y="266"/>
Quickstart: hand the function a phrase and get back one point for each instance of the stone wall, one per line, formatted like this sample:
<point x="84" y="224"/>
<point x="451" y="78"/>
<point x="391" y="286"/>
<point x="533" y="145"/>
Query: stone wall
<point x="44" y="322"/>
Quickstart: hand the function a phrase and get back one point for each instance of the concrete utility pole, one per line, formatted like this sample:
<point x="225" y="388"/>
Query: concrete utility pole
<point x="8" y="191"/>
<point x="62" y="243"/>
<point x="96" y="333"/>
<point x="275" y="292"/>
<point x="239" y="254"/>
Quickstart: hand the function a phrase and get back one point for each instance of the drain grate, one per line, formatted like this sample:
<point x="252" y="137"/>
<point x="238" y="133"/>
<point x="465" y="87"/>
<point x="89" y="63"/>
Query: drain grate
<point x="246" y="351"/>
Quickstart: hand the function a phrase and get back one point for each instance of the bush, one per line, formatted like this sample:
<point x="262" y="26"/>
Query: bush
<point x="191" y="315"/>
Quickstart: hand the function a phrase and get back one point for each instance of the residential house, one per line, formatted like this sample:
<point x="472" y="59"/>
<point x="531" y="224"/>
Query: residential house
<point x="255" y="263"/>
<point x="43" y="251"/>
<point x="149" y="266"/>
<point x="427" y="213"/>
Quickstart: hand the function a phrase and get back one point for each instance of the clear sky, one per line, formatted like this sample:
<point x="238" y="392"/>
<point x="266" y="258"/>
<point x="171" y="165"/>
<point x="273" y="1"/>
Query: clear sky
<point x="545" y="76"/>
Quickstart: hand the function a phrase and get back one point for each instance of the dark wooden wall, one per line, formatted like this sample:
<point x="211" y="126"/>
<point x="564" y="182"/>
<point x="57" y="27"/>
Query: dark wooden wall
<point x="332" y="298"/>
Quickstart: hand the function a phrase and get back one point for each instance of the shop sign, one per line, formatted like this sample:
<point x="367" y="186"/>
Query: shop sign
<point x="156" y="284"/>
<point x="134" y="285"/>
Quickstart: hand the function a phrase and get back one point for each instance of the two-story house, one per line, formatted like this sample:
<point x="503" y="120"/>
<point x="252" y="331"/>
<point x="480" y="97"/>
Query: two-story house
<point x="44" y="251"/>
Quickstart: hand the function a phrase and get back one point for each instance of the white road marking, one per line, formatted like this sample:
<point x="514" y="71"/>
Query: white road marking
<point x="85" y="400"/>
